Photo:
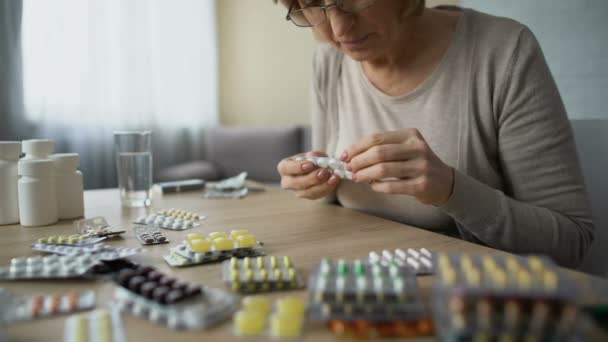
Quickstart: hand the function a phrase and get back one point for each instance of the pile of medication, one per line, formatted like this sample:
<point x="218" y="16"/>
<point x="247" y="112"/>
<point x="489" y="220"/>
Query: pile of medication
<point x="21" y="308"/>
<point x="419" y="261"/>
<point x="149" y="235"/>
<point x="49" y="267"/>
<point x="216" y="246"/>
<point x="256" y="317"/>
<point x="490" y="297"/>
<point x="99" y="252"/>
<point x="381" y="298"/>
<point x="152" y="295"/>
<point x="174" y="219"/>
<point x="335" y="166"/>
<point x="97" y="326"/>
<point x="261" y="274"/>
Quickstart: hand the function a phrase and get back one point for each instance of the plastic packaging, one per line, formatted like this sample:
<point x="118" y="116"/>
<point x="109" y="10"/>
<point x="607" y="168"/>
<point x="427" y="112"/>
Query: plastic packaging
<point x="149" y="294"/>
<point x="71" y="240"/>
<point x="23" y="308"/>
<point x="367" y="294"/>
<point x="97" y="326"/>
<point x="260" y="274"/>
<point x="419" y="261"/>
<point x="503" y="296"/>
<point x="96" y="227"/>
<point x="68" y="180"/>
<point x="174" y="219"/>
<point x="97" y="252"/>
<point x="335" y="166"/>
<point x="37" y="193"/>
<point x="149" y="235"/>
<point x="48" y="267"/>
<point x="9" y="198"/>
<point x="217" y="246"/>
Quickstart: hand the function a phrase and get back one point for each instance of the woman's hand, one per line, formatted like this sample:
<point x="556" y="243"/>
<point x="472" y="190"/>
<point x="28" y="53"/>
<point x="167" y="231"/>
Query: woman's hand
<point x="401" y="162"/>
<point x="306" y="179"/>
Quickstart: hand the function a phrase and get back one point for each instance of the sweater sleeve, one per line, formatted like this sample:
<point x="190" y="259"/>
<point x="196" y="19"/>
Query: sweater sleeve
<point x="544" y="207"/>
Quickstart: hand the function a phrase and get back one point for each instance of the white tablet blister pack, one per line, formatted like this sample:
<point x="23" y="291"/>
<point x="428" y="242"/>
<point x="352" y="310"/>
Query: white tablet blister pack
<point x="173" y="219"/>
<point x="23" y="308"/>
<point x="49" y="267"/>
<point x="98" y="252"/>
<point x="419" y="261"/>
<point x="335" y="166"/>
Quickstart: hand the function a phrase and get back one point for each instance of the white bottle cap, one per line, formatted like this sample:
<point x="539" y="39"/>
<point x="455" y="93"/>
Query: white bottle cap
<point x="66" y="161"/>
<point x="38" y="147"/>
<point x="36" y="168"/>
<point x="10" y="150"/>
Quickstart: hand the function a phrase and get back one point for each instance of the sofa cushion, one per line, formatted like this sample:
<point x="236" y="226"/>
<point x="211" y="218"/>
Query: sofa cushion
<point x="252" y="149"/>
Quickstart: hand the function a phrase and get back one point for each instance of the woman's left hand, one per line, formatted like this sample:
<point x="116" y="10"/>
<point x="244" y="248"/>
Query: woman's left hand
<point x="401" y="162"/>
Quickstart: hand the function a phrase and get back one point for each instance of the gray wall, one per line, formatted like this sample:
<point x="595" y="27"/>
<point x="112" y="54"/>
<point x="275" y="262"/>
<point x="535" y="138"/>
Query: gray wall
<point x="574" y="37"/>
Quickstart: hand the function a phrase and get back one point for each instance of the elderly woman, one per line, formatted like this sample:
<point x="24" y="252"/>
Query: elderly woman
<point x="449" y="120"/>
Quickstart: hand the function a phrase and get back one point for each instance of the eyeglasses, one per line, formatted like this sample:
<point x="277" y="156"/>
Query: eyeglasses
<point x="308" y="13"/>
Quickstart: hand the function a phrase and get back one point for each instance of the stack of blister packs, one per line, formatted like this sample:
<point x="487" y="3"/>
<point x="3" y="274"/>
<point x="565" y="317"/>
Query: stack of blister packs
<point x="485" y="297"/>
<point x="367" y="299"/>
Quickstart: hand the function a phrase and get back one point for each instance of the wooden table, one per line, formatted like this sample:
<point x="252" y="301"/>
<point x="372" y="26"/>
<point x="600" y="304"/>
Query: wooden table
<point x="305" y="230"/>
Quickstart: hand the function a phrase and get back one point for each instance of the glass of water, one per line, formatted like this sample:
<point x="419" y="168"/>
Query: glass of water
<point x="134" y="167"/>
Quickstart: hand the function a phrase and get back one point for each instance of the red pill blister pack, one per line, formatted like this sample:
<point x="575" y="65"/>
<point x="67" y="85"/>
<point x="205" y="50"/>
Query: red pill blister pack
<point x="149" y="235"/>
<point x="22" y="308"/>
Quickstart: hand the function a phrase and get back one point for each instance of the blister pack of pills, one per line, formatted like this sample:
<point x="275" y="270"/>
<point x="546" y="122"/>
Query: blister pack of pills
<point x="173" y="219"/>
<point x="258" y="316"/>
<point x="217" y="246"/>
<point x="260" y="274"/>
<point x="335" y="166"/>
<point x="96" y="227"/>
<point x="374" y="293"/>
<point x="419" y="261"/>
<point x="71" y="240"/>
<point x="97" y="326"/>
<point x="503" y="297"/>
<point x="49" y="267"/>
<point x="100" y="252"/>
<point x="149" y="294"/>
<point x="149" y="235"/>
<point x="23" y="308"/>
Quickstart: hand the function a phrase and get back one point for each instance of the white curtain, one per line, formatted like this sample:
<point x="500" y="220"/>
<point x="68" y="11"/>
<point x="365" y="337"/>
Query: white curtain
<point x="94" y="66"/>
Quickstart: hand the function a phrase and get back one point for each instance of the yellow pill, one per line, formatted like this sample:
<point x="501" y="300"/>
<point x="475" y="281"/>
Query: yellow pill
<point x="261" y="305"/>
<point x="291" y="274"/>
<point x="535" y="263"/>
<point x="263" y="274"/>
<point x="80" y="330"/>
<point x="42" y="240"/>
<point x="259" y="262"/>
<point x="273" y="261"/>
<point x="245" y="241"/>
<point x="550" y="280"/>
<point x="217" y="235"/>
<point x="248" y="275"/>
<point x="285" y="325"/>
<point x="234" y="263"/>
<point x="73" y="240"/>
<point x="200" y="245"/>
<point x="277" y="274"/>
<point x="52" y="239"/>
<point x="236" y="233"/>
<point x="249" y="323"/>
<point x="290" y="306"/>
<point x="62" y="239"/>
<point x="524" y="279"/>
<point x="247" y="262"/>
<point x="287" y="261"/>
<point x="235" y="277"/>
<point x="223" y="244"/>
<point x="195" y="236"/>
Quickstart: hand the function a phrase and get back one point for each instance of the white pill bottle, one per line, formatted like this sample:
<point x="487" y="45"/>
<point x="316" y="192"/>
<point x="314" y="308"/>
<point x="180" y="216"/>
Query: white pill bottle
<point x="37" y="149"/>
<point x="68" y="181"/>
<point x="9" y="199"/>
<point x="37" y="193"/>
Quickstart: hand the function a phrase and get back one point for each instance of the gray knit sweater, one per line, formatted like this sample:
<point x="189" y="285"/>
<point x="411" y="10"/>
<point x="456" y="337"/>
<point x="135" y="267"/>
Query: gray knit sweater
<point x="492" y="111"/>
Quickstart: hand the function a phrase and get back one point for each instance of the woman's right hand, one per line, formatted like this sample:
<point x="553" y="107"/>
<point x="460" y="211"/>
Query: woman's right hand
<point x="306" y="179"/>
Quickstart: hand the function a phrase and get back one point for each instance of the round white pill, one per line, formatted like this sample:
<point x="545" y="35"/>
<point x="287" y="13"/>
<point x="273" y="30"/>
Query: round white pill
<point x="176" y="225"/>
<point x="322" y="161"/>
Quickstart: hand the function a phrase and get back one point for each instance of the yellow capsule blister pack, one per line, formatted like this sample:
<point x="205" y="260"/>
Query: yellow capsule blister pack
<point x="261" y="274"/>
<point x="257" y="317"/>
<point x="215" y="246"/>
